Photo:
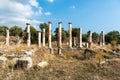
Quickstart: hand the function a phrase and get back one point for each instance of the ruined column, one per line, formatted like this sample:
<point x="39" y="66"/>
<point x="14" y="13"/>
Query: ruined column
<point x="80" y="38"/>
<point x="70" y="35"/>
<point x="43" y="39"/>
<point x="90" y="38"/>
<point x="102" y="39"/>
<point x="39" y="39"/>
<point x="59" y="37"/>
<point x="74" y="41"/>
<point x="7" y="37"/>
<point x="49" y="33"/>
<point x="28" y="35"/>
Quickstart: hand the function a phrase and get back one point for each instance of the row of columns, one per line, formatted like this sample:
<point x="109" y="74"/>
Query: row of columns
<point x="102" y="36"/>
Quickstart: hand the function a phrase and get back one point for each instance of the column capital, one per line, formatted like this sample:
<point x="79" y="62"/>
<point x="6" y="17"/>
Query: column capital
<point x="69" y="22"/>
<point x="59" y="22"/>
<point x="27" y="23"/>
<point x="49" y="22"/>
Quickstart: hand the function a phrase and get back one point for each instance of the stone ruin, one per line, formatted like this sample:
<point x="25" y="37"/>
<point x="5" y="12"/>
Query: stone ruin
<point x="21" y="60"/>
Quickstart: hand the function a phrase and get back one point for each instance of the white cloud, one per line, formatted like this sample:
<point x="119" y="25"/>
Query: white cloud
<point x="51" y="1"/>
<point x="34" y="3"/>
<point x="18" y="12"/>
<point x="47" y="13"/>
<point x="72" y="7"/>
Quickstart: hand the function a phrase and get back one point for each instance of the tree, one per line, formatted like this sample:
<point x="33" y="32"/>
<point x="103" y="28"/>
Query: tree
<point x="64" y="34"/>
<point x="3" y="30"/>
<point x="95" y="37"/>
<point x="75" y="32"/>
<point x="16" y="31"/>
<point x="34" y="35"/>
<point x="44" y="25"/>
<point x="84" y="38"/>
<point x="113" y="36"/>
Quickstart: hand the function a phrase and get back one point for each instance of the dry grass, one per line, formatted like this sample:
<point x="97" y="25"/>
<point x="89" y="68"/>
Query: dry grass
<point x="71" y="65"/>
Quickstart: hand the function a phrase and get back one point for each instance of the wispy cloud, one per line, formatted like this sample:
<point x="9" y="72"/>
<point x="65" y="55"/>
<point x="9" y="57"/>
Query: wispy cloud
<point x="18" y="12"/>
<point x="51" y="1"/>
<point x="47" y="13"/>
<point x="72" y="7"/>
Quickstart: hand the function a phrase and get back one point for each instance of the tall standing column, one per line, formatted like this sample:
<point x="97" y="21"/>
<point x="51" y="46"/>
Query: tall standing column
<point x="49" y="37"/>
<point x="7" y="37"/>
<point x="70" y="35"/>
<point x="102" y="39"/>
<point x="39" y="39"/>
<point x="28" y="34"/>
<point x="74" y="41"/>
<point x="90" y="39"/>
<point x="43" y="39"/>
<point x="59" y="37"/>
<point x="59" y="34"/>
<point x="80" y="38"/>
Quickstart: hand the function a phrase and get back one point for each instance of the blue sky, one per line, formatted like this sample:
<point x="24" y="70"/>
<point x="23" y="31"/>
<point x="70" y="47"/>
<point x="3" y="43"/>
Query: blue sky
<point x="94" y="15"/>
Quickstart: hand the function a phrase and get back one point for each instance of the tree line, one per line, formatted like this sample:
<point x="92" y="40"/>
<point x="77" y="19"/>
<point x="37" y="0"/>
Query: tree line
<point x="112" y="37"/>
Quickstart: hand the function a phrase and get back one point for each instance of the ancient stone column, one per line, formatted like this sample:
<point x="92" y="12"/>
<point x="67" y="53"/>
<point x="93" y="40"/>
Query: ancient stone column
<point x="7" y="37"/>
<point x="102" y="39"/>
<point x="43" y="39"/>
<point x="90" y="38"/>
<point x="74" y="41"/>
<point x="49" y="35"/>
<point x="70" y="35"/>
<point x="59" y="37"/>
<point x="39" y="39"/>
<point x="28" y="35"/>
<point x="80" y="38"/>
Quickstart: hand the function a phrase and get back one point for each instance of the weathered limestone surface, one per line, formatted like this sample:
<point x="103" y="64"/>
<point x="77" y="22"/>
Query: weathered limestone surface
<point x="43" y="37"/>
<point x="29" y="36"/>
<point x="80" y="38"/>
<point x="59" y="37"/>
<point x="49" y="37"/>
<point x="7" y="37"/>
<point x="39" y="39"/>
<point x="90" y="39"/>
<point x="70" y="35"/>
<point x="102" y="39"/>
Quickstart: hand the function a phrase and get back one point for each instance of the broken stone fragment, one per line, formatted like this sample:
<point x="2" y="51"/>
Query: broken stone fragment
<point x="3" y="58"/>
<point x="43" y="64"/>
<point x="23" y="62"/>
<point x="28" y="53"/>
